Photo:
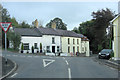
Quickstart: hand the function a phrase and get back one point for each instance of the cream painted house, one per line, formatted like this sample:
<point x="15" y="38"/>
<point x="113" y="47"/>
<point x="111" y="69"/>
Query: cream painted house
<point x="116" y="33"/>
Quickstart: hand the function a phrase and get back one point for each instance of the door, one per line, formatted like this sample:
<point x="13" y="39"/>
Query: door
<point x="53" y="49"/>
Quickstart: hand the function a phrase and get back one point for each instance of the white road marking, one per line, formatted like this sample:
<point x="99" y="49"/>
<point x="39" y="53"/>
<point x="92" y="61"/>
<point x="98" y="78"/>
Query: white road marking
<point x="66" y="62"/>
<point x="14" y="74"/>
<point x="46" y="64"/>
<point x="69" y="73"/>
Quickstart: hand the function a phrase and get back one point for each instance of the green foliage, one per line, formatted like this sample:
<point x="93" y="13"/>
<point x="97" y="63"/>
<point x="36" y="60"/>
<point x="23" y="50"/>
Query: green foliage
<point x="40" y="46"/>
<point x="59" y="24"/>
<point x="5" y="15"/>
<point x="100" y="47"/>
<point x="22" y="47"/>
<point x="75" y="30"/>
<point x="24" y="25"/>
<point x="14" y="22"/>
<point x="95" y="30"/>
<point x="112" y="54"/>
<point x="32" y="48"/>
<point x="15" y="39"/>
<point x="12" y="50"/>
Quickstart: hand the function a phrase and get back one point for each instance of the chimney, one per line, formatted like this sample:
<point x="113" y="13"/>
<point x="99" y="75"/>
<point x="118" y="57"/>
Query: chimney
<point x="36" y="23"/>
<point x="53" y="25"/>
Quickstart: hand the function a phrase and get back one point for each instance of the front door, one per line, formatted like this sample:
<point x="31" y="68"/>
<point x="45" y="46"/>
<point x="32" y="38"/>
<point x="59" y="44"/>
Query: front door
<point x="53" y="49"/>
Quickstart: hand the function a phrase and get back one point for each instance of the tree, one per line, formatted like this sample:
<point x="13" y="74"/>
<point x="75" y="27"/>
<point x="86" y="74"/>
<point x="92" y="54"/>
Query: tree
<point x="5" y="15"/>
<point x="101" y="22"/>
<point x="14" y="22"/>
<point x="75" y="30"/>
<point x="15" y="39"/>
<point x="24" y="25"/>
<point x="5" y="18"/>
<point x="87" y="29"/>
<point x="59" y="24"/>
<point x="95" y="29"/>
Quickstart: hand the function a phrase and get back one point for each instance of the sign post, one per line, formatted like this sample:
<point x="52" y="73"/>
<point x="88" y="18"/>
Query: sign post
<point x="5" y="26"/>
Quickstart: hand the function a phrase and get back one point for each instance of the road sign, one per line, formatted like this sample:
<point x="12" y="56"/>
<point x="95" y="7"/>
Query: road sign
<point x="46" y="62"/>
<point x="5" y="26"/>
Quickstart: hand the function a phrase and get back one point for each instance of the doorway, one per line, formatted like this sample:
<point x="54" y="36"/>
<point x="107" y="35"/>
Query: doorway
<point x="53" y="49"/>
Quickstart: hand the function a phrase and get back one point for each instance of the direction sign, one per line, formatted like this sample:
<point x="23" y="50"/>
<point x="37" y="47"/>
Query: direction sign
<point x="5" y="26"/>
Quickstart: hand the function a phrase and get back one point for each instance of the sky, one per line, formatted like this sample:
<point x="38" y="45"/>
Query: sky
<point x="71" y="13"/>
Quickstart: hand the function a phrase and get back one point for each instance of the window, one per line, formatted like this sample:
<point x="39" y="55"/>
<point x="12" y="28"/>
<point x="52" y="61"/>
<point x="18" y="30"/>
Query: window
<point x="26" y="46"/>
<point x="78" y="49"/>
<point x="74" y="49"/>
<point x="77" y="41"/>
<point x="68" y="40"/>
<point x="68" y="49"/>
<point x="53" y="40"/>
<point x="57" y="48"/>
<point x="48" y="48"/>
<point x="35" y="45"/>
<point x="82" y="49"/>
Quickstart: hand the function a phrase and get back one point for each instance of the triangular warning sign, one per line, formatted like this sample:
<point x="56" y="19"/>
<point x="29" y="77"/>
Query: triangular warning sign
<point x="5" y="26"/>
<point x="46" y="62"/>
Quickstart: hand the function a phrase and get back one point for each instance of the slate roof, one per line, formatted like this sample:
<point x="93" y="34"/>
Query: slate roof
<point x="48" y="31"/>
<point x="59" y="32"/>
<point x="28" y="32"/>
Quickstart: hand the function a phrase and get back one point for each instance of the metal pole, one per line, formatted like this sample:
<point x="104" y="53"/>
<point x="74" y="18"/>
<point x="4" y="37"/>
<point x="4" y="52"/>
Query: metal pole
<point x="5" y="47"/>
<point x="5" y="42"/>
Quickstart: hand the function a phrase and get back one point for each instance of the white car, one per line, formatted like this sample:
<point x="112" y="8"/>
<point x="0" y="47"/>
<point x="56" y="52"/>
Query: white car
<point x="49" y="53"/>
<point x="64" y="54"/>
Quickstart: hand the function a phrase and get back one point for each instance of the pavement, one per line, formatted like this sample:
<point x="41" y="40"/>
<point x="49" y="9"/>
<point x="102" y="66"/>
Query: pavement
<point x="7" y="67"/>
<point x="112" y="63"/>
<point x="36" y="66"/>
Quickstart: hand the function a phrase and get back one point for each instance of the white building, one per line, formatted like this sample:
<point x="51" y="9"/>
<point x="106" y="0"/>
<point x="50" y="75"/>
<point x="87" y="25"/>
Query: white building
<point x="53" y="40"/>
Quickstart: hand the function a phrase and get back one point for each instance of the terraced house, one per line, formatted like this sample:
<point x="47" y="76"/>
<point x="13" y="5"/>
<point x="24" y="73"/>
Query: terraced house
<point x="116" y="34"/>
<point x="52" y="40"/>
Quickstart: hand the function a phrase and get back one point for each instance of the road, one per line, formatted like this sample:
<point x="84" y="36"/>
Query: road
<point x="35" y="66"/>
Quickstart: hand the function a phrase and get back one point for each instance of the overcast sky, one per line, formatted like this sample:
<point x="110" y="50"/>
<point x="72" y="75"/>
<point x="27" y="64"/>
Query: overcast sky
<point x="72" y="13"/>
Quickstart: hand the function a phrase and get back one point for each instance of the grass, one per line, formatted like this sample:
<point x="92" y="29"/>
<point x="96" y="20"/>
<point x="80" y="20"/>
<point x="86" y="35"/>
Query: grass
<point x="12" y="50"/>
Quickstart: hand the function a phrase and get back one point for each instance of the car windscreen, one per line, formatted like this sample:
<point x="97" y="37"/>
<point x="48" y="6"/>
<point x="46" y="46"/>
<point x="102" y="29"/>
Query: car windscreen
<point x="106" y="51"/>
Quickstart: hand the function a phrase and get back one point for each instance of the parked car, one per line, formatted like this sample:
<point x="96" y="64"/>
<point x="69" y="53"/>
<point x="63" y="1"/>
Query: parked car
<point x="105" y="53"/>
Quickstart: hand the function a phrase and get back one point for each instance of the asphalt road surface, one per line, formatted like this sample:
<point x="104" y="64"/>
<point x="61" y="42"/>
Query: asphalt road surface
<point x="35" y="66"/>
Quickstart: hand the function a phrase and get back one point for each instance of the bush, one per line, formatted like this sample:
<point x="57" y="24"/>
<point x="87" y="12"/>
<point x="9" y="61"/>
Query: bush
<point x="112" y="55"/>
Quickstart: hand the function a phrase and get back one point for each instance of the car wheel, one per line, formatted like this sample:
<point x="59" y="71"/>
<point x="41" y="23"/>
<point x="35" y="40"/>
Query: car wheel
<point x="99" y="57"/>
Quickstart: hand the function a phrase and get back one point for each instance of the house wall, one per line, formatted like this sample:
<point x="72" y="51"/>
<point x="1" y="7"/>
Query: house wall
<point x="85" y="48"/>
<point x="31" y="41"/>
<point x="65" y="44"/>
<point x="116" y="25"/>
<point x="47" y="41"/>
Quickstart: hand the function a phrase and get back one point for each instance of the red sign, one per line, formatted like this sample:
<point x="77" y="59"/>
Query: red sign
<point x="5" y="26"/>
